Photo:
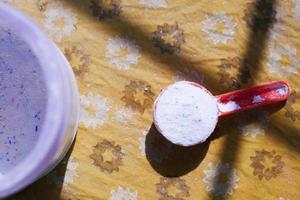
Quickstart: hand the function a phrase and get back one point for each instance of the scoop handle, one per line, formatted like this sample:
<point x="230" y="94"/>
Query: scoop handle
<point x="253" y="97"/>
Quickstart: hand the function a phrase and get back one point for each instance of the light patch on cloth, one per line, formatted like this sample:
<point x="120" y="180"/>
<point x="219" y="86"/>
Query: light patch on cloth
<point x="253" y="122"/>
<point x="70" y="175"/>
<point x="229" y="106"/>
<point x="123" y="194"/>
<point x="279" y="26"/>
<point x="252" y="129"/>
<point x="142" y="141"/>
<point x="122" y="52"/>
<point x="219" y="28"/>
<point x="154" y="3"/>
<point x="283" y="60"/>
<point x="281" y="198"/>
<point x="257" y="99"/>
<point x="229" y="179"/>
<point x="296" y="9"/>
<point x="59" y="22"/>
<point x="123" y="115"/>
<point x="93" y="110"/>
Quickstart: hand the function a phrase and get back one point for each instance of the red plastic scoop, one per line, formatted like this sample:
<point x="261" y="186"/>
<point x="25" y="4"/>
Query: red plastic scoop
<point x="253" y="97"/>
<point x="186" y="113"/>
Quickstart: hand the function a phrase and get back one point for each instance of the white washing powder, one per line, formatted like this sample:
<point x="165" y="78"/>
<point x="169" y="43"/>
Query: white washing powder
<point x="185" y="114"/>
<point x="229" y="106"/>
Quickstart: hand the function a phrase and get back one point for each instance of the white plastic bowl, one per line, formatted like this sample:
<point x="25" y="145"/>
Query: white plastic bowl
<point x="62" y="111"/>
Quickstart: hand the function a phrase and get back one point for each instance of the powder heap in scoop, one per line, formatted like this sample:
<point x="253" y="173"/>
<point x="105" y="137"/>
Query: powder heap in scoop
<point x="185" y="114"/>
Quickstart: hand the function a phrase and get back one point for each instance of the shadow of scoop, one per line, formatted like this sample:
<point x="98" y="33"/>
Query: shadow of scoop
<point x="172" y="160"/>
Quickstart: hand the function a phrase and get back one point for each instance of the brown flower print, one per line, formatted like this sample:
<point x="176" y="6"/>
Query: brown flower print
<point x="138" y="95"/>
<point x="103" y="9"/>
<point x="100" y="161"/>
<point x="169" y="38"/>
<point x="231" y="74"/>
<point x="260" y="15"/>
<point x="42" y="5"/>
<point x="228" y="70"/>
<point x="290" y="111"/>
<point x="264" y="170"/>
<point x="79" y="60"/>
<point x="172" y="189"/>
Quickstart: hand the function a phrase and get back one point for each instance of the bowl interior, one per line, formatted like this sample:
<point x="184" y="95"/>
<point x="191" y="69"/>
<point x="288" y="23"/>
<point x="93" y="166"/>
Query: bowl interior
<point x="23" y="99"/>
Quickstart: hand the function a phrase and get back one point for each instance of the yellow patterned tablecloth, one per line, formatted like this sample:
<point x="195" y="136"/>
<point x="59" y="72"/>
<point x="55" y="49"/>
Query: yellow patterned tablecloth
<point x="124" y="52"/>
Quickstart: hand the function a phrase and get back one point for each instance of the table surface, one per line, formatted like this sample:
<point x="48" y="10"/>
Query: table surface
<point x="124" y="52"/>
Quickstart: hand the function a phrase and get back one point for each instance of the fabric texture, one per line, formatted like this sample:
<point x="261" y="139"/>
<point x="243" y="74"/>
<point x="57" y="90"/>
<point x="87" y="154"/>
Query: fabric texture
<point x="125" y="52"/>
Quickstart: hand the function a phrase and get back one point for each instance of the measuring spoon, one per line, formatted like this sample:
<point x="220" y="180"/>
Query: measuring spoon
<point x="186" y="113"/>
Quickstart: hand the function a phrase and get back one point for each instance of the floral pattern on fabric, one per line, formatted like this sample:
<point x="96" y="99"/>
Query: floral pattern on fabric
<point x="59" y="22"/>
<point x="290" y="111"/>
<point x="225" y="174"/>
<point x="104" y="9"/>
<point x="42" y="5"/>
<point x="69" y="177"/>
<point x="269" y="170"/>
<point x="111" y="164"/>
<point x="169" y="38"/>
<point x="219" y="28"/>
<point x="142" y="145"/>
<point x="123" y="116"/>
<point x="138" y="95"/>
<point x="123" y="194"/>
<point x="93" y="110"/>
<point x="163" y="188"/>
<point x="79" y="60"/>
<point x="253" y="123"/>
<point x="154" y="3"/>
<point x="228" y="73"/>
<point x="283" y="60"/>
<point x="122" y="52"/>
<point x="296" y="9"/>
